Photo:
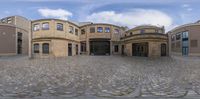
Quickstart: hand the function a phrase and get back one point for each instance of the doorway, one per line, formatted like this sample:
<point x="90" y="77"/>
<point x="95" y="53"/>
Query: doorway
<point x="19" y="43"/>
<point x="76" y="49"/>
<point x="163" y="49"/>
<point x="69" y="49"/>
<point x="100" y="47"/>
<point x="122" y="49"/>
<point x="140" y="49"/>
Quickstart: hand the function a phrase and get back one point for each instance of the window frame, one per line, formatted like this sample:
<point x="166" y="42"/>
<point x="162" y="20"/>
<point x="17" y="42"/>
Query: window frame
<point x="106" y="30"/>
<point x="100" y="29"/>
<point x="178" y="36"/>
<point x="3" y="20"/>
<point x="34" y="48"/>
<point x="92" y="29"/>
<point x="9" y="20"/>
<point x="36" y="27"/>
<point x="76" y="31"/>
<point x="43" y="28"/>
<point x="185" y="43"/>
<point x="71" y="29"/>
<point x="83" y="31"/>
<point x="173" y="37"/>
<point x="60" y="28"/>
<point x="185" y="35"/>
<point x="44" y="50"/>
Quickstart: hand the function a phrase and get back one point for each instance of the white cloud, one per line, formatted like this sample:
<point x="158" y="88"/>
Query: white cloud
<point x="132" y="18"/>
<point x="55" y="13"/>
<point x="185" y="5"/>
<point x="189" y="9"/>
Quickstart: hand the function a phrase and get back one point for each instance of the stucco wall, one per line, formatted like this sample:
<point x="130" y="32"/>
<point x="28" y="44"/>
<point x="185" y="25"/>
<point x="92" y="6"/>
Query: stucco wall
<point x="7" y="40"/>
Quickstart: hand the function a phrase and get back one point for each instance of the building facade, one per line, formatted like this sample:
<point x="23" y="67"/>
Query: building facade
<point x="14" y="35"/>
<point x="100" y="39"/>
<point x="60" y="38"/>
<point x="54" y="37"/>
<point x="185" y="40"/>
<point x="147" y="41"/>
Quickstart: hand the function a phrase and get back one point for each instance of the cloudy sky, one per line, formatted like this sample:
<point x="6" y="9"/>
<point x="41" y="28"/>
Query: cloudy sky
<point x="131" y="13"/>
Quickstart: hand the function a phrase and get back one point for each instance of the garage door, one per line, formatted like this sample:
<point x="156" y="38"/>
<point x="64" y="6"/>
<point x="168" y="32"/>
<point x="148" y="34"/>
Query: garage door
<point x="99" y="47"/>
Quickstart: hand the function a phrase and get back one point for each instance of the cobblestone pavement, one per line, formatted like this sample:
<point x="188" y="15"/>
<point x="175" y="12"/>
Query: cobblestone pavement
<point x="100" y="77"/>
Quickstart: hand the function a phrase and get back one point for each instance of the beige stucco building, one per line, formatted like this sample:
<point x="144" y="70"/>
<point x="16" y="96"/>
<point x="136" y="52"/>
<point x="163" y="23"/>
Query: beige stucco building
<point x="60" y="38"/>
<point x="54" y="37"/>
<point x="100" y="39"/>
<point x="185" y="40"/>
<point x="146" y="40"/>
<point x="14" y="34"/>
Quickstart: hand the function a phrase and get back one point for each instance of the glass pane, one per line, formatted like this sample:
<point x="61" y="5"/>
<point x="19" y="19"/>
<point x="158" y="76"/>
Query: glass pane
<point x="99" y="29"/>
<point x="36" y="27"/>
<point x="60" y="26"/>
<point x="107" y="29"/>
<point x="45" y="26"/>
<point x="185" y="44"/>
<point x="45" y="48"/>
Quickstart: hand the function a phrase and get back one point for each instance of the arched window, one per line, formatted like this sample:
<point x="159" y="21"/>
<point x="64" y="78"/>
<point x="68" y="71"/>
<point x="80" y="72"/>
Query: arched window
<point x="36" y="48"/>
<point x="45" y="48"/>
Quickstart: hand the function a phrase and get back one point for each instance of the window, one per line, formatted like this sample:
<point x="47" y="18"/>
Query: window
<point x="131" y="33"/>
<point x="9" y="20"/>
<point x="76" y="32"/>
<point x="116" y="31"/>
<point x="142" y="31"/>
<point x="45" y="48"/>
<point x="194" y="43"/>
<point x="185" y="43"/>
<point x="36" y="27"/>
<point x="83" y="31"/>
<point x="3" y="20"/>
<point x="116" y="48"/>
<point x="107" y="30"/>
<point x="178" y="36"/>
<point x="99" y="29"/>
<point x="60" y="26"/>
<point x="36" y="48"/>
<point x="185" y="35"/>
<point x="45" y="26"/>
<point x="173" y="38"/>
<point x="92" y="29"/>
<point x="71" y="29"/>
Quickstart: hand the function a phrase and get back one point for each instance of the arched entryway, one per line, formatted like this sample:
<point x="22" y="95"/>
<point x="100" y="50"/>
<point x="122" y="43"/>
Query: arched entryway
<point x="140" y="49"/>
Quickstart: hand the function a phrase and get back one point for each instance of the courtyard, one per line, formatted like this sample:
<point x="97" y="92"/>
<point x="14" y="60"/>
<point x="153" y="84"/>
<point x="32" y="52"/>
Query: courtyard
<point x="99" y="77"/>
